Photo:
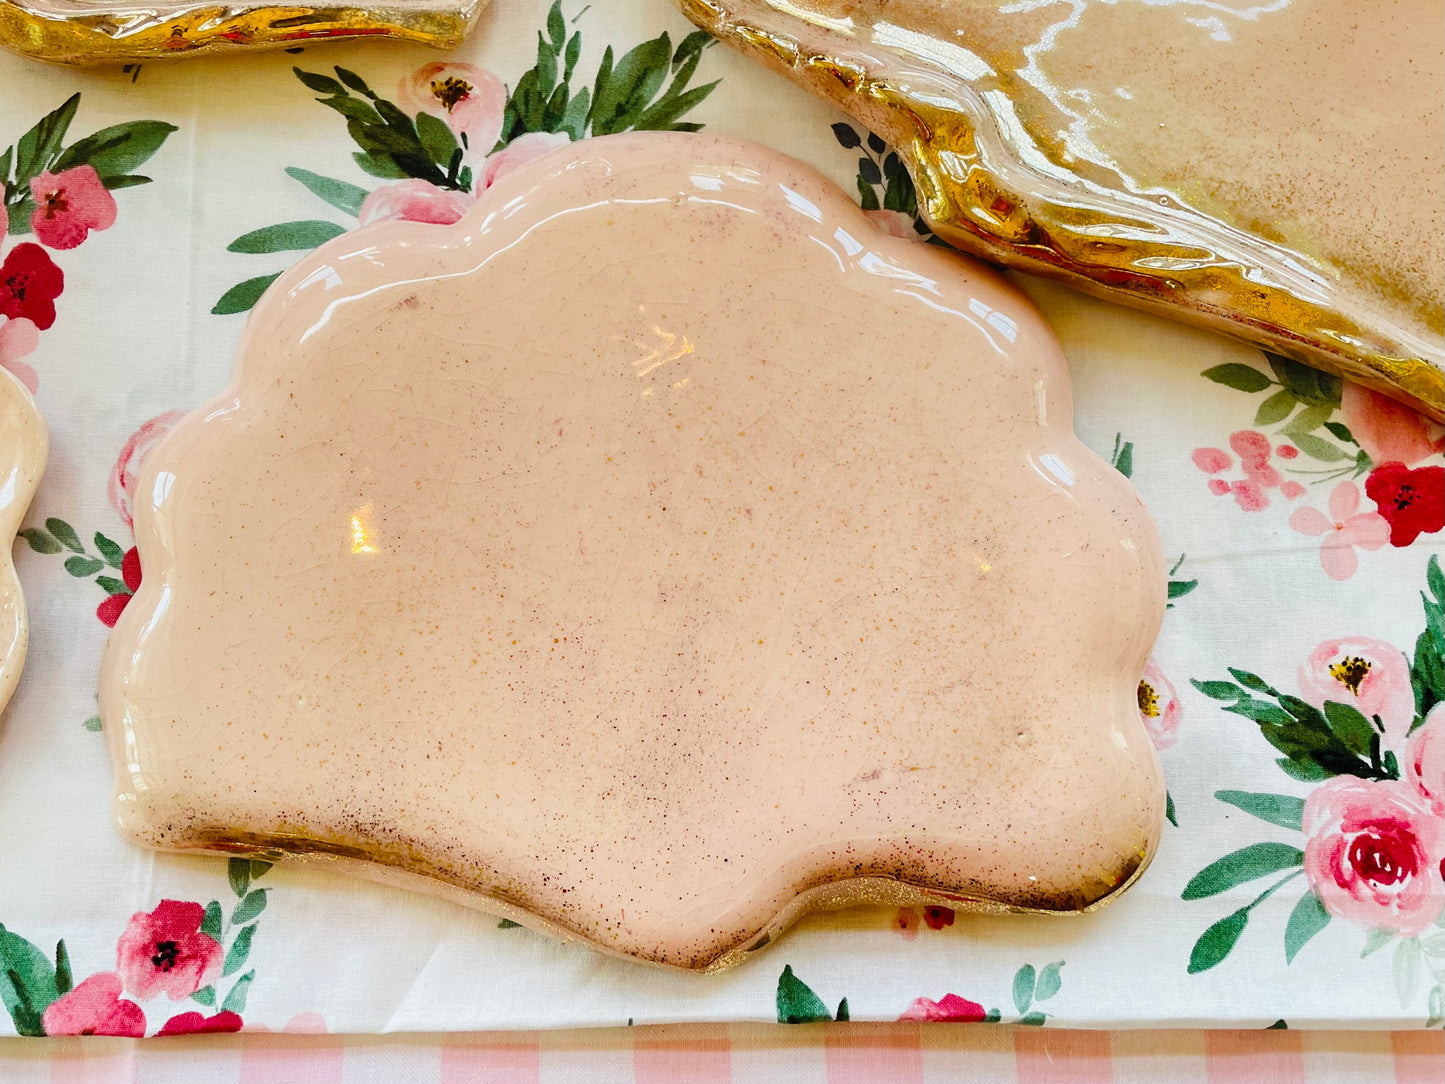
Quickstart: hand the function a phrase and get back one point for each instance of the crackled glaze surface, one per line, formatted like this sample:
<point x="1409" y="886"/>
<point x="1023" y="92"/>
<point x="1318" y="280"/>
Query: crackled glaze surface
<point x="1274" y="170"/>
<point x="23" y="449"/>
<point x="659" y="552"/>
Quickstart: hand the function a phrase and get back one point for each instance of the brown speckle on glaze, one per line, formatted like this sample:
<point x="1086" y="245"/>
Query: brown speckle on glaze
<point x="659" y="552"/>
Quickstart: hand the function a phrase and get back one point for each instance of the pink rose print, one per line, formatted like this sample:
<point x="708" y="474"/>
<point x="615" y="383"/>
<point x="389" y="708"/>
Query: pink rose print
<point x="120" y="487"/>
<point x="950" y="1007"/>
<point x="894" y="224"/>
<point x="415" y="200"/>
<point x="95" y="1007"/>
<point x="164" y="952"/>
<point x="1425" y="760"/>
<point x="113" y="606"/>
<point x="1413" y="501"/>
<point x="69" y="205"/>
<point x="1369" y="675"/>
<point x="519" y="152"/>
<point x="193" y="1023"/>
<point x="1373" y="855"/>
<point x="18" y="339"/>
<point x="1387" y="430"/>
<point x="470" y="99"/>
<point x="1342" y="531"/>
<point x="1159" y="706"/>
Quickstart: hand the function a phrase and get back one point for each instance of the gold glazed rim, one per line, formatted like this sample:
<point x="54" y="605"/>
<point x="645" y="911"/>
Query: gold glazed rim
<point x="79" y="33"/>
<point x="976" y="194"/>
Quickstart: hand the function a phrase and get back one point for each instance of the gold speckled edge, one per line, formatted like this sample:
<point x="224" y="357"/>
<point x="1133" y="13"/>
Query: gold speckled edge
<point x="976" y="194"/>
<point x="24" y="447"/>
<point x="79" y="33"/>
<point x="852" y="892"/>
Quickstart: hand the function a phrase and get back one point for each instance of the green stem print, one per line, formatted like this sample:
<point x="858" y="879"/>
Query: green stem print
<point x="456" y="129"/>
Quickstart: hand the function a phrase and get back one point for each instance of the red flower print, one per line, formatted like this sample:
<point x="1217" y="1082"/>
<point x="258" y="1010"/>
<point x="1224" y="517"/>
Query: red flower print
<point x="950" y="1007"/>
<point x="1344" y="529"/>
<point x="95" y="1007"/>
<point x="1412" y="500"/>
<point x="1374" y="854"/>
<point x="69" y="205"/>
<point x="164" y="952"/>
<point x="193" y="1023"/>
<point x="113" y="606"/>
<point x="938" y="917"/>
<point x="125" y="475"/>
<point x="29" y="284"/>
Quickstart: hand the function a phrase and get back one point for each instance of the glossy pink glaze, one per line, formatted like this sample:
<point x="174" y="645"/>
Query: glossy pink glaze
<point x="657" y="544"/>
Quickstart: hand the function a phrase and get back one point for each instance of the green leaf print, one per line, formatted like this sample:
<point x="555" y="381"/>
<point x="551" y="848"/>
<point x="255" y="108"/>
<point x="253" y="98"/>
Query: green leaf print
<point x="239" y="950"/>
<point x="1238" y="376"/>
<point x="1281" y="809"/>
<point x="119" y="150"/>
<point x="1024" y="980"/>
<point x="249" y="907"/>
<point x="27" y="982"/>
<point x="1218" y="941"/>
<point x="243" y="295"/>
<point x="65" y="534"/>
<point x="1308" y="918"/>
<point x="236" y="999"/>
<point x="39" y="541"/>
<point x="1050" y="980"/>
<point x="797" y="1004"/>
<point x="1241" y="866"/>
<point x="342" y="195"/>
<point x="287" y="236"/>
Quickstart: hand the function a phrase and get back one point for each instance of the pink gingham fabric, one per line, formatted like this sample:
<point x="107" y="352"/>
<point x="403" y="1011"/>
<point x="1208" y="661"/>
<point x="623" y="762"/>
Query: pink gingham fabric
<point x="746" y="1054"/>
<point x="1280" y="555"/>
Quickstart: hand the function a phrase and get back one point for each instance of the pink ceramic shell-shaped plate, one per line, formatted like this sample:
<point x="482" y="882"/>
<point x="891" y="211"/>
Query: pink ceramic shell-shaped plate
<point x="656" y="554"/>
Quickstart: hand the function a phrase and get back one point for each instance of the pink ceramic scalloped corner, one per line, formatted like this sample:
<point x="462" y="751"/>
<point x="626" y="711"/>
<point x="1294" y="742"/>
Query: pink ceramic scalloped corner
<point x="24" y="446"/>
<point x="656" y="554"/>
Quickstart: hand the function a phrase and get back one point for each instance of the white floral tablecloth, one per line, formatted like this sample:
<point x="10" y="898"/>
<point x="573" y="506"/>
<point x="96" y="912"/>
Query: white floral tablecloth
<point x="1292" y="692"/>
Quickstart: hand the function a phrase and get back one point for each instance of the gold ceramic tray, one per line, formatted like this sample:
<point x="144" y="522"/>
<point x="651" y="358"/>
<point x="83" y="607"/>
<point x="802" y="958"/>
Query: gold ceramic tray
<point x="1272" y="171"/>
<point x="78" y="32"/>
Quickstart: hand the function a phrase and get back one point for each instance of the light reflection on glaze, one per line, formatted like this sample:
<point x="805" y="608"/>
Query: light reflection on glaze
<point x="628" y="565"/>
<point x="1276" y="170"/>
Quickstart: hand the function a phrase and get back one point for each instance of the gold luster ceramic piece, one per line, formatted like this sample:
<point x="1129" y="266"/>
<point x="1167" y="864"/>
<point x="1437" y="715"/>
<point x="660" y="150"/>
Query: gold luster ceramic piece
<point x="98" y="31"/>
<point x="24" y="446"/>
<point x="1272" y="171"/>
<point x="655" y="555"/>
